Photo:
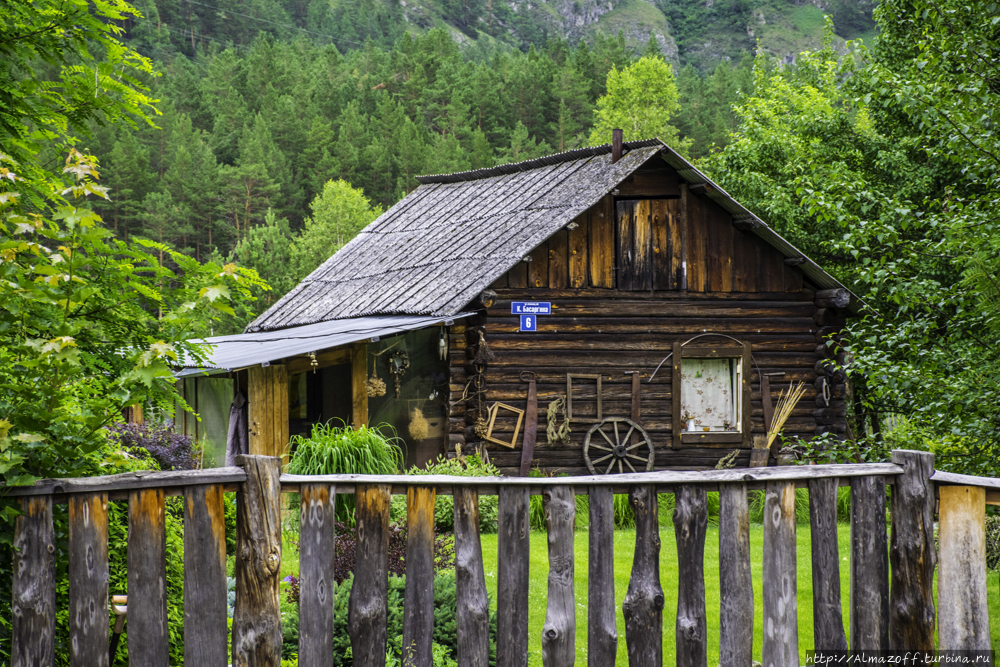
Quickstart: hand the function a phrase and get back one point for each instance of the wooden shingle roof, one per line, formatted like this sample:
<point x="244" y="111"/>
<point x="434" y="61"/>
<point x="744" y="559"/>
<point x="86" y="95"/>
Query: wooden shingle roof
<point x="448" y="240"/>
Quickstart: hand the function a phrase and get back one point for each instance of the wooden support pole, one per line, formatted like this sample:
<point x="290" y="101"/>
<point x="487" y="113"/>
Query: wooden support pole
<point x="148" y="639"/>
<point x="869" y="565"/>
<point x="735" y="580"/>
<point x="828" y="616"/>
<point x="418" y="607"/>
<point x="963" y="615"/>
<point x="512" y="577"/>
<point x="559" y="631"/>
<point x="88" y="570"/>
<point x="472" y="615"/>
<point x="781" y="619"/>
<point x="643" y="605"/>
<point x="257" y="612"/>
<point x="368" y="608"/>
<point x="34" y="585"/>
<point x="602" y="635"/>
<point x="359" y="394"/>
<point x="690" y="523"/>
<point x="317" y="586"/>
<point x="205" y="628"/>
<point x="912" y="555"/>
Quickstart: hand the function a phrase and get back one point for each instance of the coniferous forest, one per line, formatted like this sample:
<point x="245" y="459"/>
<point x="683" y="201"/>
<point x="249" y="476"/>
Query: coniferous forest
<point x="256" y="114"/>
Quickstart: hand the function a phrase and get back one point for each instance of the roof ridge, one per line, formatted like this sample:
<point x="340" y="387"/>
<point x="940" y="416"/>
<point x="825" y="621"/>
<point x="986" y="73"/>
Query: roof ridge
<point x="534" y="163"/>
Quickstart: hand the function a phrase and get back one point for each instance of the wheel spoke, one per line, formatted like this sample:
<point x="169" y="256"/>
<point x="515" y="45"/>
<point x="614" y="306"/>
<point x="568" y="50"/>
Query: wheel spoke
<point x="618" y="440"/>
<point x="601" y="431"/>
<point x="610" y="466"/>
<point x="628" y="435"/>
<point x="603" y="458"/>
<point x="637" y="458"/>
<point x="593" y="446"/>
<point x="638" y="444"/>
<point x="620" y="468"/>
<point x="629" y="465"/>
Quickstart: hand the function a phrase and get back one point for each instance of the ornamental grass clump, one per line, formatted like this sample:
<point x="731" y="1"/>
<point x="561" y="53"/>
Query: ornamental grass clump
<point x="343" y="450"/>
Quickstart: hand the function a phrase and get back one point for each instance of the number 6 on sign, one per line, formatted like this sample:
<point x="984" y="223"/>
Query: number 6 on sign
<point x="528" y="323"/>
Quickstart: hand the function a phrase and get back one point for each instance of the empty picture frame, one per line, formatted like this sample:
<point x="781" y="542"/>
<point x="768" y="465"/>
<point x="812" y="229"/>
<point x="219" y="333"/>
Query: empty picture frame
<point x="569" y="397"/>
<point x="493" y="417"/>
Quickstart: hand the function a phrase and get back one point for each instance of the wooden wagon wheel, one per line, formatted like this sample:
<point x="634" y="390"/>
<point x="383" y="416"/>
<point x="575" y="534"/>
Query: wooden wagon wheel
<point x="613" y="447"/>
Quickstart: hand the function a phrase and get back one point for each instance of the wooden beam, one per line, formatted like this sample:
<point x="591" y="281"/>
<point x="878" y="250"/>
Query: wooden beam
<point x="317" y="584"/>
<point x="643" y="604"/>
<point x="148" y="640"/>
<point x="418" y="607"/>
<point x="912" y="555"/>
<point x="869" y="566"/>
<point x="368" y="607"/>
<point x="735" y="580"/>
<point x="559" y="631"/>
<point x="205" y="628"/>
<point x="472" y="620"/>
<point x="34" y="585"/>
<point x="963" y="614"/>
<point x="359" y="395"/>
<point x="690" y="522"/>
<point x="256" y="632"/>
<point x="602" y="635"/>
<point x="781" y="621"/>
<point x="512" y="571"/>
<point x="88" y="570"/>
<point x="828" y="616"/>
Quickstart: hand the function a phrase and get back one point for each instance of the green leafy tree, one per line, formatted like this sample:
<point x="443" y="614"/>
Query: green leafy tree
<point x="641" y="100"/>
<point x="338" y="214"/>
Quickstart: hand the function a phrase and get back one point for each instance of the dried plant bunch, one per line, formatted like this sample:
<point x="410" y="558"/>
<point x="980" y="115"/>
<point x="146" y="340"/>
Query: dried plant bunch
<point x="783" y="410"/>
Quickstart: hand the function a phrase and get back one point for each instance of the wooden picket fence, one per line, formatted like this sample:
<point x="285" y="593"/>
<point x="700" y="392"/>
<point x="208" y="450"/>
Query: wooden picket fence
<point x="896" y="615"/>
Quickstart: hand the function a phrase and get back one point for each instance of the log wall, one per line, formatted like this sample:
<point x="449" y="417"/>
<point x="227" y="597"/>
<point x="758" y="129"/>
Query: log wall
<point x="631" y="278"/>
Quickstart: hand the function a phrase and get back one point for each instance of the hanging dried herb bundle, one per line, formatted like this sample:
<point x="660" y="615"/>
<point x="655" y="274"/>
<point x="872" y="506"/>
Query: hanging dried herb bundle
<point x="484" y="354"/>
<point x="418" y="425"/>
<point x="374" y="386"/>
<point x="556" y="434"/>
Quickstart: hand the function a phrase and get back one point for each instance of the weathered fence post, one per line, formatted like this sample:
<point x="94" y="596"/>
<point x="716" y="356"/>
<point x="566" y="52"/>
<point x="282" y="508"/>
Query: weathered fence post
<point x="912" y="554"/>
<point x="869" y="565"/>
<point x="317" y="586"/>
<point x="34" y="585"/>
<point x="148" y="639"/>
<point x="512" y="577"/>
<point x="472" y="618"/>
<point x="690" y="522"/>
<point x="205" y="629"/>
<point x="602" y="635"/>
<point x="88" y="570"/>
<point x="735" y="581"/>
<point x="368" y="608"/>
<point x="780" y="646"/>
<point x="963" y="615"/>
<point x="828" y="616"/>
<point x="418" y="603"/>
<point x="257" y="612"/>
<point x="559" y="631"/>
<point x="643" y="604"/>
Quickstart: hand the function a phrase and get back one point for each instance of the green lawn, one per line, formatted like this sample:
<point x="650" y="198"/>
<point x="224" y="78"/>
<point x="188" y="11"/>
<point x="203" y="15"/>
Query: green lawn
<point x="624" y="544"/>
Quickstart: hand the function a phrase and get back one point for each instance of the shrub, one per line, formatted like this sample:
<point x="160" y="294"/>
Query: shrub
<point x="159" y="442"/>
<point x="346" y="545"/>
<point x="993" y="542"/>
<point x="337" y="450"/>
<point x="444" y="506"/>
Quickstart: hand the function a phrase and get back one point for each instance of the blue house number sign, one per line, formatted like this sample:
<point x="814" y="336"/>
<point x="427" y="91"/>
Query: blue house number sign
<point x="529" y="312"/>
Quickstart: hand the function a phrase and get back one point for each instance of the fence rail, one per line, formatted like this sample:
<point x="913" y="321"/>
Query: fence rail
<point x="897" y="614"/>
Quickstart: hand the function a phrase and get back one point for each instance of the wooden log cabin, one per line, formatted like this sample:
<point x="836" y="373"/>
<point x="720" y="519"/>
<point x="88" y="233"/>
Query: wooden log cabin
<point x="618" y="279"/>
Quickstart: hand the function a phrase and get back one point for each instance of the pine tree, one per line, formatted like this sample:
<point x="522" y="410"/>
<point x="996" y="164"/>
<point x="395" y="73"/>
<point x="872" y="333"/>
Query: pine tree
<point x="128" y="180"/>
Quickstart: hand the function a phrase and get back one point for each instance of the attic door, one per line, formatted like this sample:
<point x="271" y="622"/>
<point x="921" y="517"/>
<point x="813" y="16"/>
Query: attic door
<point x="644" y="234"/>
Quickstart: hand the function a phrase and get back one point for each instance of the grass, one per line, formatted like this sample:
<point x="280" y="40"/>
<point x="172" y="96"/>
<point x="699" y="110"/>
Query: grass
<point x="624" y="545"/>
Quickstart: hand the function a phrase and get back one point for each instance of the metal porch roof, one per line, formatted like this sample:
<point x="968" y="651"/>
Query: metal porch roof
<point x="230" y="353"/>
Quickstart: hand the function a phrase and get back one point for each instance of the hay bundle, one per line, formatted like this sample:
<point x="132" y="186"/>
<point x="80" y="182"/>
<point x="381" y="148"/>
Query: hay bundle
<point x="418" y="425"/>
<point x="783" y="410"/>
